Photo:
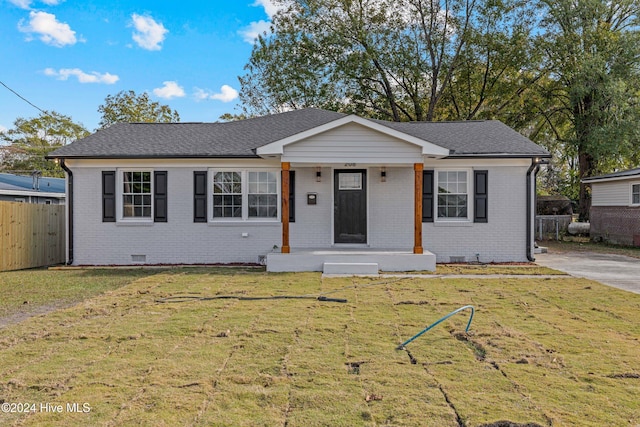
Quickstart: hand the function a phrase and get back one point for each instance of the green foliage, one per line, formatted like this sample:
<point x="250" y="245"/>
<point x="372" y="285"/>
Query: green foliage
<point x="562" y="72"/>
<point x="401" y="60"/>
<point x="592" y="50"/>
<point x="30" y="140"/>
<point x="127" y="106"/>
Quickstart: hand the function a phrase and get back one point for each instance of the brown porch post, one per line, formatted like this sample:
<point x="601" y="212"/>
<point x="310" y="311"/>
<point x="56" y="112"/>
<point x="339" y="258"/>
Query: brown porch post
<point x="286" y="167"/>
<point x="417" y="220"/>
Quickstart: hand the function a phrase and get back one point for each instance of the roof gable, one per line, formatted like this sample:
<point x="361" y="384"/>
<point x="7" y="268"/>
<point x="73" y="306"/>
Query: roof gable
<point x="427" y="148"/>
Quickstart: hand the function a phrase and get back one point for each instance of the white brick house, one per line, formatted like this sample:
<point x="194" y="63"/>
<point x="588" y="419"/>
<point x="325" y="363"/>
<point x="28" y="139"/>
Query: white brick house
<point x="301" y="189"/>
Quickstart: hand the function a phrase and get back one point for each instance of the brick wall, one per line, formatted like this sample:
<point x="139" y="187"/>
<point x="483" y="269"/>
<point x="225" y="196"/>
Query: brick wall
<point x="616" y="224"/>
<point x="178" y="241"/>
<point x="501" y="239"/>
<point x="390" y="217"/>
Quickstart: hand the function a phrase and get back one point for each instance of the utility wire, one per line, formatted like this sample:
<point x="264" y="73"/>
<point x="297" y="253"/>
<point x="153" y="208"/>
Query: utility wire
<point x="24" y="99"/>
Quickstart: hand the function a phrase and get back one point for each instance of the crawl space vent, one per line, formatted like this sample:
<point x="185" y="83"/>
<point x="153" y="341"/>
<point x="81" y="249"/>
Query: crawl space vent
<point x="454" y="259"/>
<point x="138" y="258"/>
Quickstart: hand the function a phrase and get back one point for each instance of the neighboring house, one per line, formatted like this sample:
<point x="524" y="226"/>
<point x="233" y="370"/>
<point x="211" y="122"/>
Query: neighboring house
<point x="32" y="189"/>
<point x="615" y="207"/>
<point x="303" y="190"/>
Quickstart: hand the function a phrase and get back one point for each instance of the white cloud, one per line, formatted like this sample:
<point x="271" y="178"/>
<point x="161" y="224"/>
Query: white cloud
<point x="51" y="31"/>
<point x="169" y="90"/>
<point x="26" y="4"/>
<point x="23" y="4"/>
<point x="149" y="34"/>
<point x="93" y="77"/>
<point x="3" y="129"/>
<point x="269" y="7"/>
<point x="226" y="94"/>
<point x="253" y="30"/>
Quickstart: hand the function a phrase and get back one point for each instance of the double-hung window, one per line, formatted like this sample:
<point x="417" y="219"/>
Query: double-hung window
<point x="453" y="195"/>
<point x="263" y="194"/>
<point x="227" y="195"/>
<point x="245" y="195"/>
<point x="635" y="194"/>
<point x="136" y="194"/>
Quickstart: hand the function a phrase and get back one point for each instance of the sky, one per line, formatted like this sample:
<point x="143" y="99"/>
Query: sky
<point x="67" y="56"/>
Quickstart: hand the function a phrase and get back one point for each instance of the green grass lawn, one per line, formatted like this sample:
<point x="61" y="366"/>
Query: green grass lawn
<point x="550" y="352"/>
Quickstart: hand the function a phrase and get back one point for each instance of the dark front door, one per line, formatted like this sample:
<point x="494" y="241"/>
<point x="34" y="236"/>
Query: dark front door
<point x="350" y="208"/>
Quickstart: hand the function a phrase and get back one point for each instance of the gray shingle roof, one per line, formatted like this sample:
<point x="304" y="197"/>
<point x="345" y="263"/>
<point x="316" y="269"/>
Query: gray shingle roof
<point x="472" y="138"/>
<point x="622" y="174"/>
<point x="242" y="138"/>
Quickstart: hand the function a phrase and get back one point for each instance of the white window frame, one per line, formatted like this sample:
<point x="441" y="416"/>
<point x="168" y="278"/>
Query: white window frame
<point x="120" y="196"/>
<point x="244" y="177"/>
<point x="470" y="195"/>
<point x="631" y="185"/>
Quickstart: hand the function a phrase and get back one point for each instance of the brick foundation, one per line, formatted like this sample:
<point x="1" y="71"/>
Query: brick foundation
<point x="616" y="224"/>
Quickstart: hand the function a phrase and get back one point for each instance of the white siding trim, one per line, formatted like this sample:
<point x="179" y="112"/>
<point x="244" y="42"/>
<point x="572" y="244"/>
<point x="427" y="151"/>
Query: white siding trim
<point x="352" y="144"/>
<point x="277" y="147"/>
<point x="611" y="193"/>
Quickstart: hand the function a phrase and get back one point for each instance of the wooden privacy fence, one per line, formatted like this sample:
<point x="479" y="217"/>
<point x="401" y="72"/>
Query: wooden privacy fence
<point x="31" y="235"/>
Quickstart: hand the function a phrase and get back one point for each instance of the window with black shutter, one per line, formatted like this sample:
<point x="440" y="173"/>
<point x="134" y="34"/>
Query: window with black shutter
<point x="160" y="196"/>
<point x="108" y="196"/>
<point x="480" y="197"/>
<point x="199" y="196"/>
<point x="292" y="196"/>
<point x="427" y="196"/>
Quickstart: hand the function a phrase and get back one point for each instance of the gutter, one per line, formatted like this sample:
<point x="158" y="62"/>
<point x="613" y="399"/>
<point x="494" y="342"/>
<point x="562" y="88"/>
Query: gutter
<point x="531" y="193"/>
<point x="69" y="211"/>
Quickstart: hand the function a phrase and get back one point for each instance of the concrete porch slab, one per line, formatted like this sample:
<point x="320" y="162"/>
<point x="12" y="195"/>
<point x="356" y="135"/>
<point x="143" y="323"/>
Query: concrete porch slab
<point x="314" y="259"/>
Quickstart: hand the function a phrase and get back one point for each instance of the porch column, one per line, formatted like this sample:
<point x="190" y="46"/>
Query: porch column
<point x="417" y="220"/>
<point x="286" y="167"/>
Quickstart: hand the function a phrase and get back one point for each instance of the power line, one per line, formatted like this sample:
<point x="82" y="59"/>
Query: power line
<point x="24" y="99"/>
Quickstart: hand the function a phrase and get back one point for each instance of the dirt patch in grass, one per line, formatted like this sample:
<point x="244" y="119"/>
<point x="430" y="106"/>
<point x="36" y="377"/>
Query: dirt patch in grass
<point x="230" y="362"/>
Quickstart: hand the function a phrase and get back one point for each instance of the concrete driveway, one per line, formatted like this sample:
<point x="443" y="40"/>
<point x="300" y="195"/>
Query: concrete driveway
<point x="619" y="271"/>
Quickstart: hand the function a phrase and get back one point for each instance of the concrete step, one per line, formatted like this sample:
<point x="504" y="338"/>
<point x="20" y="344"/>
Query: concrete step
<point x="350" y="268"/>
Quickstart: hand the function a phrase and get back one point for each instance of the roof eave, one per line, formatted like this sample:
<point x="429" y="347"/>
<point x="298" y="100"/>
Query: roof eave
<point x="498" y="156"/>
<point x="613" y="178"/>
<point x="155" y="156"/>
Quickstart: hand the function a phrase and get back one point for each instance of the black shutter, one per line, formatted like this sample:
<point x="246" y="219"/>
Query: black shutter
<point x="480" y="188"/>
<point x="108" y="196"/>
<point x="160" y="196"/>
<point x="427" y="196"/>
<point x="199" y="196"/>
<point x="292" y="196"/>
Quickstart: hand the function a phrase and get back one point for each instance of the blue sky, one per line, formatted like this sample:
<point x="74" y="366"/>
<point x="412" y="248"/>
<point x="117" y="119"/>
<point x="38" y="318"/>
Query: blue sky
<point x="67" y="56"/>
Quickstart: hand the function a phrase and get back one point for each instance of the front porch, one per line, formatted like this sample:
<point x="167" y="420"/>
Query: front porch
<point x="350" y="260"/>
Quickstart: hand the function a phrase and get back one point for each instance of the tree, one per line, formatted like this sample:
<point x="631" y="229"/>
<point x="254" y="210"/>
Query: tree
<point x="31" y="140"/>
<point x="391" y="59"/>
<point x="593" y="50"/>
<point x="127" y="106"/>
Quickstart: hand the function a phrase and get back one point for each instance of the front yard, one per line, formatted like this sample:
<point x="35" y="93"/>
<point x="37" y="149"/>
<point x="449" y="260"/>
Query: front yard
<point x="545" y="351"/>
